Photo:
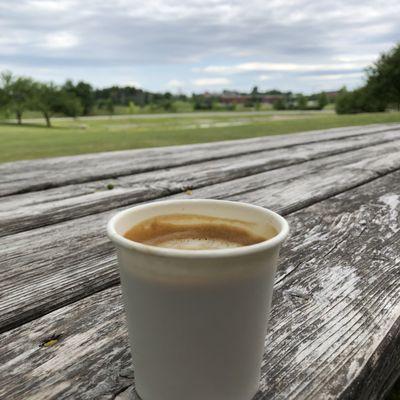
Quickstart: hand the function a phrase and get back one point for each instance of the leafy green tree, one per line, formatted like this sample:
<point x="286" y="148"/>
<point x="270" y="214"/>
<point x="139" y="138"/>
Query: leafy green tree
<point x="350" y="102"/>
<point x="254" y="91"/>
<point x="83" y="91"/>
<point x="384" y="77"/>
<point x="381" y="90"/>
<point x="16" y="94"/>
<point x="279" y="105"/>
<point x="342" y="101"/>
<point x="168" y="105"/>
<point x="301" y="101"/>
<point x="322" y="100"/>
<point x="200" y="102"/>
<point x="358" y="101"/>
<point x="290" y="101"/>
<point x="255" y="99"/>
<point x="49" y="99"/>
<point x="3" y="102"/>
<point x="70" y="104"/>
<point x="110" y="106"/>
<point x="46" y="100"/>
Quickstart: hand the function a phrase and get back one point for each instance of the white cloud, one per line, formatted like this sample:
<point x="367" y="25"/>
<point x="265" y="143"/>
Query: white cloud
<point x="202" y="82"/>
<point x="264" y="77"/>
<point x="243" y="53"/>
<point x="173" y="10"/>
<point x="280" y="67"/>
<point x="133" y="83"/>
<point x="360" y="58"/>
<point x="60" y="40"/>
<point x="339" y="77"/>
<point x="50" y="5"/>
<point x="175" y="84"/>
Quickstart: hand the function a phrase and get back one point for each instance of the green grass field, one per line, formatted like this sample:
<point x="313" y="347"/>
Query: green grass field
<point x="68" y="137"/>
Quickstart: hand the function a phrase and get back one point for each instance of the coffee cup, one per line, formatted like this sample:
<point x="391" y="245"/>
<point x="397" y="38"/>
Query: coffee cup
<point x="197" y="319"/>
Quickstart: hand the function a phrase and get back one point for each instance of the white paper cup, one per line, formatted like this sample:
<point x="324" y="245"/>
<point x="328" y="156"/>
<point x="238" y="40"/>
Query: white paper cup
<point x="197" y="319"/>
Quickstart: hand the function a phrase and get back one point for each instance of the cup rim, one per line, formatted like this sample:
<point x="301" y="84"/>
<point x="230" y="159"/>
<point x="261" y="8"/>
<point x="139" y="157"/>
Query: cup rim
<point x="121" y="241"/>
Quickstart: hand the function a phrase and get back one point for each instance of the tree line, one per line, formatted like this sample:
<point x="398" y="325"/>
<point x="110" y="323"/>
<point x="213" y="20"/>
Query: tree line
<point x="254" y="99"/>
<point x="292" y="101"/>
<point x="19" y="94"/>
<point x="381" y="90"/>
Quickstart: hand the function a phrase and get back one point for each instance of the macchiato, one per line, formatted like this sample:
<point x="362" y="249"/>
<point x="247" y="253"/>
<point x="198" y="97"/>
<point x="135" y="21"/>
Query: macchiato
<point x="197" y="295"/>
<point x="196" y="232"/>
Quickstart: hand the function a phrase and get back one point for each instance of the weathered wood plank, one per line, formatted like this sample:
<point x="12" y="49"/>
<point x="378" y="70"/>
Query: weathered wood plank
<point x="31" y="175"/>
<point x="34" y="209"/>
<point x="344" y="285"/>
<point x="73" y="259"/>
<point x="292" y="192"/>
<point x="335" y="316"/>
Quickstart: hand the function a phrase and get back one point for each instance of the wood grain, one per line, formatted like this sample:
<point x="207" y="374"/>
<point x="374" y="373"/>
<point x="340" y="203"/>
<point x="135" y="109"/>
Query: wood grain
<point x="67" y="261"/>
<point x="287" y="193"/>
<point x="335" y="316"/>
<point x="35" y="209"/>
<point x="32" y="175"/>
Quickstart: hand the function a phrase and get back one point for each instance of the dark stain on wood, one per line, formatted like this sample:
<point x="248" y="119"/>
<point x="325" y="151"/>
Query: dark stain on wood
<point x="50" y="341"/>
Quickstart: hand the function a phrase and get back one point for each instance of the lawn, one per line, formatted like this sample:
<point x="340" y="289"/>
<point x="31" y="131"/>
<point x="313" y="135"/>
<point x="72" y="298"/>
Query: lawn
<point x="67" y="137"/>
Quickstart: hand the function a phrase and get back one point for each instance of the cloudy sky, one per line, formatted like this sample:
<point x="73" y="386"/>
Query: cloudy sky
<point x="197" y="45"/>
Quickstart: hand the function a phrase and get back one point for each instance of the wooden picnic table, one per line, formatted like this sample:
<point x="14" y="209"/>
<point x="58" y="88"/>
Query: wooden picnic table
<point x="335" y="323"/>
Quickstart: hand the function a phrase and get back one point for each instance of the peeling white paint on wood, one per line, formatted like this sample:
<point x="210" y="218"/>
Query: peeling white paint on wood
<point x="392" y="200"/>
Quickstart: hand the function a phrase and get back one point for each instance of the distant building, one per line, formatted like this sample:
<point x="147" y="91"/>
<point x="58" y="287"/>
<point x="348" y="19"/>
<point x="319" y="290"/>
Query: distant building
<point x="271" y="98"/>
<point x="230" y="97"/>
<point x="332" y="95"/>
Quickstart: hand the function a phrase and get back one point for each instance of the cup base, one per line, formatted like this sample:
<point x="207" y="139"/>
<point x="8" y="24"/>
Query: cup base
<point x="135" y="396"/>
